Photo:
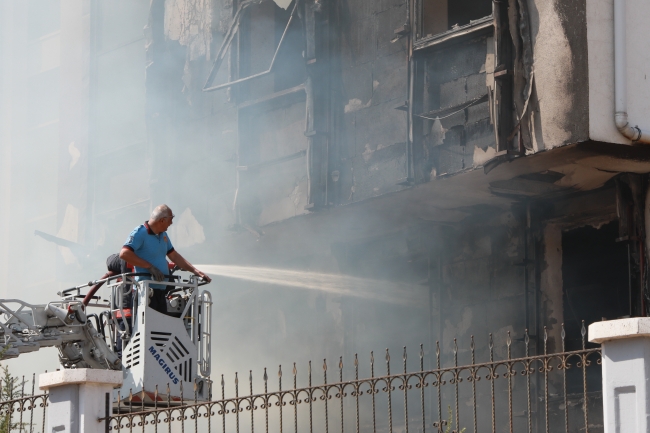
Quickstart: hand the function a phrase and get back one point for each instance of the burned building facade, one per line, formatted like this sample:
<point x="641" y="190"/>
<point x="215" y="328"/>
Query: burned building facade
<point x="461" y="157"/>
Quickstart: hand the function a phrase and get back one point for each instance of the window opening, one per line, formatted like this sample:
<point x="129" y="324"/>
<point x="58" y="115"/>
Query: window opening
<point x="439" y="16"/>
<point x="227" y="43"/>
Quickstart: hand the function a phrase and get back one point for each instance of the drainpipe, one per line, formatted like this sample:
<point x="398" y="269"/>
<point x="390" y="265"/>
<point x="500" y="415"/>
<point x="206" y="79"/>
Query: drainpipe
<point x="633" y="133"/>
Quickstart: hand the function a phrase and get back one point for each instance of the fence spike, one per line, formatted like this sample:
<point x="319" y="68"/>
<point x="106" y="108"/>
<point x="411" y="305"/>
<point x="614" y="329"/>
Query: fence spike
<point x="421" y="357"/>
<point x="545" y="339"/>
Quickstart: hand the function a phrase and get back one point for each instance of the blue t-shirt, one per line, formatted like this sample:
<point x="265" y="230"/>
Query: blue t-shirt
<point x="150" y="247"/>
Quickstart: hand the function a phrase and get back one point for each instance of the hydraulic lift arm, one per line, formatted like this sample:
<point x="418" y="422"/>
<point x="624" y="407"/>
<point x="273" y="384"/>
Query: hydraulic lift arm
<point x="27" y="328"/>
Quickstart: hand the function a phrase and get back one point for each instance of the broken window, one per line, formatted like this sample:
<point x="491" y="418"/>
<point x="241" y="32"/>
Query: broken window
<point x="462" y="96"/>
<point x="276" y="51"/>
<point x="439" y="16"/>
<point x="265" y="43"/>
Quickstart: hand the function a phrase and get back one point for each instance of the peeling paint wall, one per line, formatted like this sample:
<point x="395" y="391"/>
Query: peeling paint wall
<point x="190" y="23"/>
<point x="559" y="110"/>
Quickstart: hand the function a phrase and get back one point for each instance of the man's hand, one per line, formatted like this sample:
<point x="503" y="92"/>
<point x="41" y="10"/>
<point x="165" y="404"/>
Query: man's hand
<point x="156" y="274"/>
<point x="175" y="257"/>
<point x="202" y="275"/>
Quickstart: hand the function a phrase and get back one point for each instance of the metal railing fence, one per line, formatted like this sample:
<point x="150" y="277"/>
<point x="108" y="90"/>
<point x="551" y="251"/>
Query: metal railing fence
<point x="531" y="393"/>
<point x="21" y="411"/>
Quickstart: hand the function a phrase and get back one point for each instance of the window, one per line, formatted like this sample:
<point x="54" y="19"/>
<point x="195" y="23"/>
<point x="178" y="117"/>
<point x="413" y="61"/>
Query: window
<point x="439" y="16"/>
<point x="267" y="56"/>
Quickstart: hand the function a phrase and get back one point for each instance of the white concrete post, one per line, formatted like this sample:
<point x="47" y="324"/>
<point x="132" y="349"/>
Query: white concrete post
<point x="626" y="370"/>
<point x="77" y="399"/>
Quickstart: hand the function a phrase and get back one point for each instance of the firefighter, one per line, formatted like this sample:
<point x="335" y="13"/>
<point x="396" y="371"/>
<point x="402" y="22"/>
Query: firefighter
<point x="148" y="247"/>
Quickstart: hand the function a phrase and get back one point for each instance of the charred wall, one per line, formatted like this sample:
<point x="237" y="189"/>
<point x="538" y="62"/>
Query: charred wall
<point x="468" y="278"/>
<point x="357" y="106"/>
<point x="337" y="128"/>
<point x="420" y="283"/>
<point x="374" y="80"/>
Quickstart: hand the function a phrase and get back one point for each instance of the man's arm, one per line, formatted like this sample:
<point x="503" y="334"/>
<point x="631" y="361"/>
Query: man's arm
<point x="180" y="261"/>
<point x="130" y="257"/>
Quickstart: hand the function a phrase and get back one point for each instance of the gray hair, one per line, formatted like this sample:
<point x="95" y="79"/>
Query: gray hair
<point x="161" y="212"/>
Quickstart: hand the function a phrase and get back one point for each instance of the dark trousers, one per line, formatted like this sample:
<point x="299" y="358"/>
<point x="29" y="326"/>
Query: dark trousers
<point x="158" y="300"/>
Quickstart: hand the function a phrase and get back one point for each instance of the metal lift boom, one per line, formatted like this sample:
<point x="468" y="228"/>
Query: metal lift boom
<point x="159" y="352"/>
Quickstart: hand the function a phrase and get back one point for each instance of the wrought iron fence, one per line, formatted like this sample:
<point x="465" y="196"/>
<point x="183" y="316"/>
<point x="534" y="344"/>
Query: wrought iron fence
<point x="20" y="410"/>
<point x="530" y="393"/>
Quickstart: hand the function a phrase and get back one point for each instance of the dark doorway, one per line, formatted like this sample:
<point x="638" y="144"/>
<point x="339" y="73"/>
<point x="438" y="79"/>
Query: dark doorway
<point x="596" y="282"/>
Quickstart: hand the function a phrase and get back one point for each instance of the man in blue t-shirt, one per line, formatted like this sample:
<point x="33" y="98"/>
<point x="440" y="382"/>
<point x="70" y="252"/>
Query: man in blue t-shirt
<point x="148" y="246"/>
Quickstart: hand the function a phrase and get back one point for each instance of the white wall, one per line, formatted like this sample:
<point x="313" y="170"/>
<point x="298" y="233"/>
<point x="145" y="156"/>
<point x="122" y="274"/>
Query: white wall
<point x="600" y="37"/>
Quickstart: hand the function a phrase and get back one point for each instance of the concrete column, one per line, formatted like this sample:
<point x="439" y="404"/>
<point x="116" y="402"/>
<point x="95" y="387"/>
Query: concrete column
<point x="78" y="398"/>
<point x="626" y="370"/>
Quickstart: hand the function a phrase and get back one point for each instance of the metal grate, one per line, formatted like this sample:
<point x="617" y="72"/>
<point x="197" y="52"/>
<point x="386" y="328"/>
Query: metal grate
<point x="160" y="338"/>
<point x="132" y="357"/>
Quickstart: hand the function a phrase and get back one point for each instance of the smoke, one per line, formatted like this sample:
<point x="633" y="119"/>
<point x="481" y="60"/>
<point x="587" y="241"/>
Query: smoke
<point x="98" y="131"/>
